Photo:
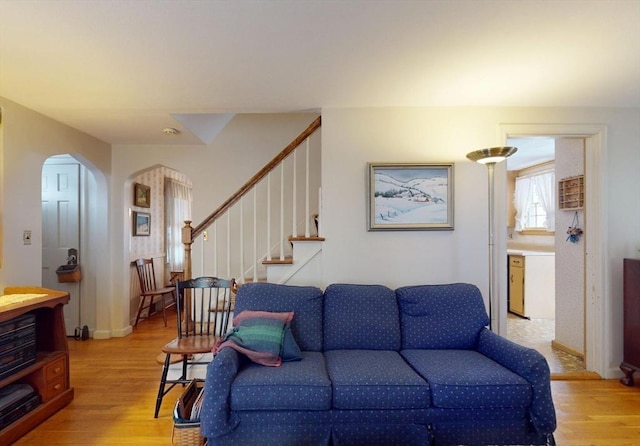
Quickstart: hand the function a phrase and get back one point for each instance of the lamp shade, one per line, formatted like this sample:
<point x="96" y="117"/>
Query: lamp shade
<point x="491" y="155"/>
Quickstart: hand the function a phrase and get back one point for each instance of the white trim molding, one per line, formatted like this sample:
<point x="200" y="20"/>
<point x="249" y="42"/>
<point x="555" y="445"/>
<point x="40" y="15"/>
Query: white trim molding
<point x="597" y="302"/>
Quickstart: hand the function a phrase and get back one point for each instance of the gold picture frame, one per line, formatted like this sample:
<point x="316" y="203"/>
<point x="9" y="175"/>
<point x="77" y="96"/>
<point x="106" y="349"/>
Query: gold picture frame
<point x="141" y="195"/>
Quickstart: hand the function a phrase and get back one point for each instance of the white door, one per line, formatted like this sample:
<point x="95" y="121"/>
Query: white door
<point x="61" y="232"/>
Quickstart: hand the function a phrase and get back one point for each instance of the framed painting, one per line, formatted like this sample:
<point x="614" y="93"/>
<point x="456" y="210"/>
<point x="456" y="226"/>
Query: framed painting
<point x="141" y="223"/>
<point x="141" y="195"/>
<point x="410" y="196"/>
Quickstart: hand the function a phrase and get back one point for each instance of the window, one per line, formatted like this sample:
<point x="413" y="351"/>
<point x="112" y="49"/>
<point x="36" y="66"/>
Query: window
<point x="177" y="209"/>
<point x="535" y="215"/>
<point x="534" y="200"/>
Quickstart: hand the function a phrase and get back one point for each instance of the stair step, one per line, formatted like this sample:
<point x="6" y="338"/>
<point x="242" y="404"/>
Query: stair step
<point x="288" y="260"/>
<point x="306" y="239"/>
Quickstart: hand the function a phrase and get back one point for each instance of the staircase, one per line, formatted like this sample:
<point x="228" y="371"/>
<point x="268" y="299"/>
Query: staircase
<point x="302" y="268"/>
<point x="268" y="229"/>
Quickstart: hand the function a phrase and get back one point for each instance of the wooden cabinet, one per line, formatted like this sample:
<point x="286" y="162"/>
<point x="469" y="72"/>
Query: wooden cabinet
<point x="49" y="375"/>
<point x="631" y="315"/>
<point x="532" y="284"/>
<point x="516" y="285"/>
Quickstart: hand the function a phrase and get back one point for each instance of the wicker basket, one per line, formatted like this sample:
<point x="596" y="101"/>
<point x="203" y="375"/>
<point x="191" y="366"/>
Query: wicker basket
<point x="186" y="434"/>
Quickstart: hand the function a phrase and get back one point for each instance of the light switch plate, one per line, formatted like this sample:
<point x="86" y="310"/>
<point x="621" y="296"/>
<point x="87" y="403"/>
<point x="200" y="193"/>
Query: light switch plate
<point x="26" y="237"/>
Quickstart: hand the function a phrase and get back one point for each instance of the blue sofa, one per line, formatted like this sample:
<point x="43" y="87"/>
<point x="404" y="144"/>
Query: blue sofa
<point x="414" y="366"/>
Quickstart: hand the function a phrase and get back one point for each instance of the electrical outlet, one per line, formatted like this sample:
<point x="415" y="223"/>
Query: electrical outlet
<point x="26" y="237"/>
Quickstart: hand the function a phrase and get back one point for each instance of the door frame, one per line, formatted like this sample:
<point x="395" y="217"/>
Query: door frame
<point x="75" y="289"/>
<point x="96" y="289"/>
<point x="596" y="275"/>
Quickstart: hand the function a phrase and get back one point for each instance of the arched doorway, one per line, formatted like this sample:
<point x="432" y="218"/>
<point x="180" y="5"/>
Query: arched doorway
<point x="73" y="216"/>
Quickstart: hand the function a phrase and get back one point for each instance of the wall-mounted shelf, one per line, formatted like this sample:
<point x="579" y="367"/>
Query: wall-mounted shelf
<point x="571" y="193"/>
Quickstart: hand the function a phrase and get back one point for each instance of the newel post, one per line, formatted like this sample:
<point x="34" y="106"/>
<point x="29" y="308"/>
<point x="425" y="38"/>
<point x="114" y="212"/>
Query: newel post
<point x="187" y="241"/>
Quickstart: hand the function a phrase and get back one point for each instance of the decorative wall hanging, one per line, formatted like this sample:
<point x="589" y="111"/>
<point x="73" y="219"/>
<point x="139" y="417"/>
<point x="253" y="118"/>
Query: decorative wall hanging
<point x="141" y="223"/>
<point x="141" y="195"/>
<point x="571" y="193"/>
<point x="574" y="230"/>
<point x="410" y="197"/>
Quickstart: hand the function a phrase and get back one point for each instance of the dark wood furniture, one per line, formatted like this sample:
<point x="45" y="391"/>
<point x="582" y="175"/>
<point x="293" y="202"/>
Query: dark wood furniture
<point x="49" y="375"/>
<point x="631" y="290"/>
<point x="203" y="307"/>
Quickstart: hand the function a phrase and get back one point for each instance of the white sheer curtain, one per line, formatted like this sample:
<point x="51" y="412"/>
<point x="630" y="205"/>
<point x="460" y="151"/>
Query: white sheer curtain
<point x="177" y="209"/>
<point x="546" y="187"/>
<point x="521" y="199"/>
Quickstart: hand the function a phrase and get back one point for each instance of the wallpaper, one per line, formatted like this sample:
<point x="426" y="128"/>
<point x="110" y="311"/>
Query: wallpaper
<point x="153" y="244"/>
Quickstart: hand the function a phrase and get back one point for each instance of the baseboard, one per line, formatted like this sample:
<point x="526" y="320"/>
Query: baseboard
<point x="102" y="334"/>
<point x="108" y="334"/>
<point x="564" y="348"/>
<point x="574" y="376"/>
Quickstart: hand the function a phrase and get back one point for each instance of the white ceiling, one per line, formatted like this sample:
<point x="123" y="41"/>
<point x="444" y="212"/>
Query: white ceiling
<point x="531" y="151"/>
<point x="121" y="70"/>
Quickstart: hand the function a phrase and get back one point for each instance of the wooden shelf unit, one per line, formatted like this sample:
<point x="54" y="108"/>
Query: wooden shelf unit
<point x="49" y="375"/>
<point x="571" y="193"/>
<point x="631" y="327"/>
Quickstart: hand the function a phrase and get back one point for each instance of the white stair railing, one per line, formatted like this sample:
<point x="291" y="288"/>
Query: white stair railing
<point x="252" y="224"/>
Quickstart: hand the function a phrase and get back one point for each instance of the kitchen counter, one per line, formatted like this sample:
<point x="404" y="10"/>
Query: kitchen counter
<point x="532" y="283"/>
<point x="525" y="252"/>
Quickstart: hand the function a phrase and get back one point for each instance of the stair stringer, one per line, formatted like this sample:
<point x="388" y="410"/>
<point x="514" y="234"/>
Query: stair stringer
<point x="306" y="268"/>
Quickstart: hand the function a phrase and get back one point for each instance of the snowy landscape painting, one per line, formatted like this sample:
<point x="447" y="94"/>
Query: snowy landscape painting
<point x="410" y="196"/>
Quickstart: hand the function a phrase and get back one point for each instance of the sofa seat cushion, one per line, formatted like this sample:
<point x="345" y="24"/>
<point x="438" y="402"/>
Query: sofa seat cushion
<point x="374" y="379"/>
<point x="468" y="379"/>
<point x="299" y="385"/>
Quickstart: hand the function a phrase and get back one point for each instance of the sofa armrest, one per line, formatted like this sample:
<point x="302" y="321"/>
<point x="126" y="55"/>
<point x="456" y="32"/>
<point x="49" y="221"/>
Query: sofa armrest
<point x="532" y="366"/>
<point x="216" y="418"/>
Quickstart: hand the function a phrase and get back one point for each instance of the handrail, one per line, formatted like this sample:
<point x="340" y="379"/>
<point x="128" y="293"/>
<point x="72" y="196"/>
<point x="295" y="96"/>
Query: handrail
<point x="190" y="233"/>
<point x="256" y="178"/>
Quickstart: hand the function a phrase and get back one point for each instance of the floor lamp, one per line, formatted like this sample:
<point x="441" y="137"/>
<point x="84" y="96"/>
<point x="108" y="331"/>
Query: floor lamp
<point x="490" y="157"/>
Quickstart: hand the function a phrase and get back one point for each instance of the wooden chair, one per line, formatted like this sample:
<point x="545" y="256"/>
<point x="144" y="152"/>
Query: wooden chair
<point x="149" y="291"/>
<point x="203" y="307"/>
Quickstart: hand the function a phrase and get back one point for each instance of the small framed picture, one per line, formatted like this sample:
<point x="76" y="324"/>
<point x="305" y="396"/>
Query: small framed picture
<point x="410" y="197"/>
<point x="141" y="223"/>
<point x="141" y="195"/>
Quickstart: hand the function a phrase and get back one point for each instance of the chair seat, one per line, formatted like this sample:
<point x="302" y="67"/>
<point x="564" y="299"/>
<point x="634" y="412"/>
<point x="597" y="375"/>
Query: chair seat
<point x="159" y="291"/>
<point x="190" y="345"/>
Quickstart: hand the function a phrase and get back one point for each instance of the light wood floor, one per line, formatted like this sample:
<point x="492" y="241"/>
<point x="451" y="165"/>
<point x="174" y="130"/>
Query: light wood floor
<point x="115" y="383"/>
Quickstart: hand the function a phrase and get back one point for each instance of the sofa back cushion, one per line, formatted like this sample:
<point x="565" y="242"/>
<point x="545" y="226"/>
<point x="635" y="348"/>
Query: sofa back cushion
<point x="360" y="317"/>
<point x="441" y="316"/>
<point x="304" y="301"/>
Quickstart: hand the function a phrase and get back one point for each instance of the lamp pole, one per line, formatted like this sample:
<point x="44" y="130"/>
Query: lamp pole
<point x="490" y="157"/>
<point x="490" y="168"/>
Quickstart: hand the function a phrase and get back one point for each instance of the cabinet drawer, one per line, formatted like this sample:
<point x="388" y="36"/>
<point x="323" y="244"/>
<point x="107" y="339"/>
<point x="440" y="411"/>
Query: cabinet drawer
<point x="517" y="261"/>
<point x="54" y="388"/>
<point x="56" y="369"/>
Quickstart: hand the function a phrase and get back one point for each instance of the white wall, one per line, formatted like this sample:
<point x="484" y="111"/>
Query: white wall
<point x="27" y="139"/>
<point x="353" y="137"/>
<point x="217" y="170"/>
<point x="570" y="260"/>
<point x="350" y="139"/>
